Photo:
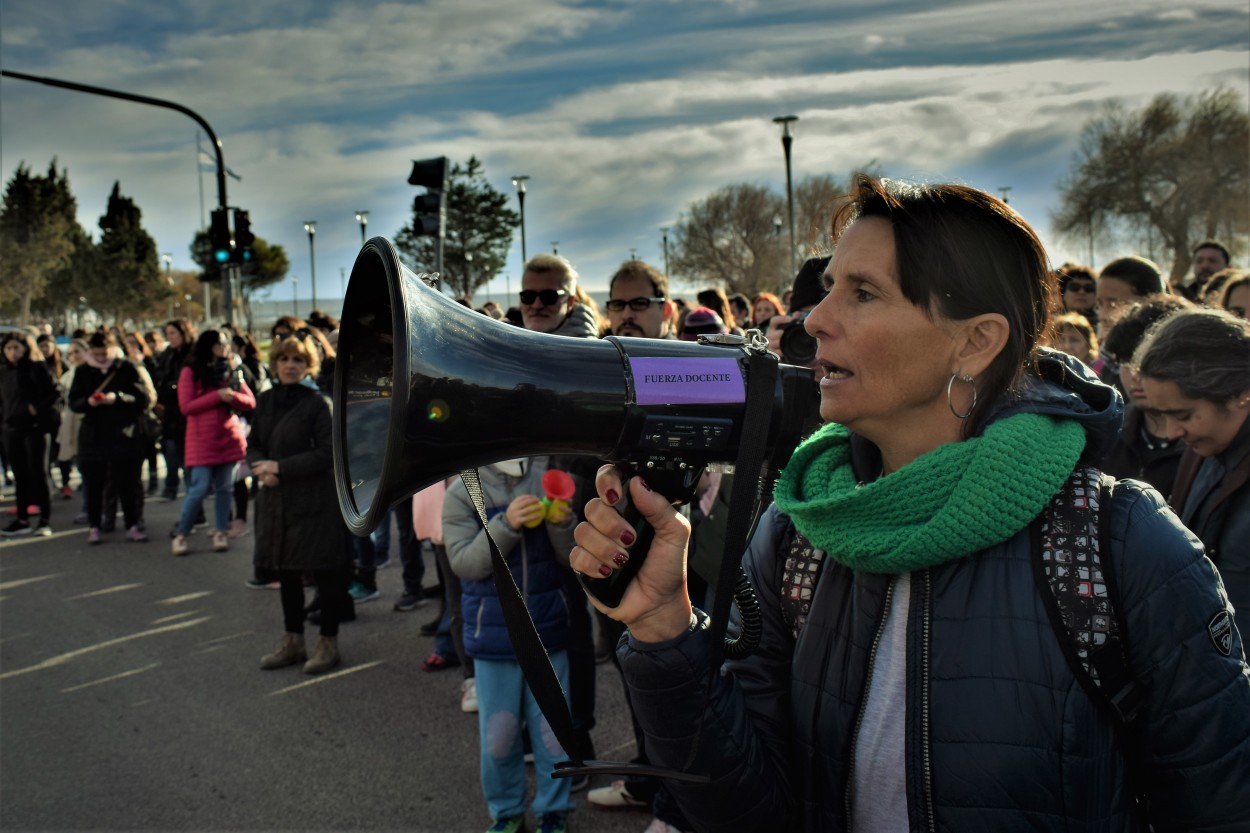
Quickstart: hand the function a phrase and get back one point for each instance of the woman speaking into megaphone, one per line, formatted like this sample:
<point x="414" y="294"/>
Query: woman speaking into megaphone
<point x="910" y="675"/>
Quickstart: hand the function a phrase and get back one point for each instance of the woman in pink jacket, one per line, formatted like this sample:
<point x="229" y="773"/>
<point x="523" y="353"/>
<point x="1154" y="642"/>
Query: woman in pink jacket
<point x="211" y="395"/>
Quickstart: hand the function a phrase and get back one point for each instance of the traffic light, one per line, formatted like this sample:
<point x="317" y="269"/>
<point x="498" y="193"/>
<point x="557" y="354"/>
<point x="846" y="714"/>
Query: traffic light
<point x="243" y="237"/>
<point x="429" y="208"/>
<point x="219" y="235"/>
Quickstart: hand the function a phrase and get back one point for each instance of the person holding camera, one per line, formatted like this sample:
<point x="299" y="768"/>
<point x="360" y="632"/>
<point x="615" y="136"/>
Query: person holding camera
<point x="211" y="395"/>
<point x="925" y="685"/>
<point x="786" y="334"/>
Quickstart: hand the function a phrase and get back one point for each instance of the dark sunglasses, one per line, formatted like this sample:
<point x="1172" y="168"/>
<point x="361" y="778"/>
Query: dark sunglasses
<point x="549" y="297"/>
<point x="302" y="333"/>
<point x="1079" y="287"/>
<point x="636" y="304"/>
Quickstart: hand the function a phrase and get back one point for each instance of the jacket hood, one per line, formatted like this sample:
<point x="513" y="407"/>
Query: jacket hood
<point x="579" y="323"/>
<point x="1066" y="388"/>
<point x="1063" y="388"/>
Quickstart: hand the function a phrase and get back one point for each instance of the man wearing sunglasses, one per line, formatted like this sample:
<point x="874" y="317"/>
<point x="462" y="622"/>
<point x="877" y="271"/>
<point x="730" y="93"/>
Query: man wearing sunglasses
<point x="549" y="298"/>
<point x="638" y="304"/>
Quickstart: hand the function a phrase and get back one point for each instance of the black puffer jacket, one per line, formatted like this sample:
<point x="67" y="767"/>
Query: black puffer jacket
<point x="999" y="733"/>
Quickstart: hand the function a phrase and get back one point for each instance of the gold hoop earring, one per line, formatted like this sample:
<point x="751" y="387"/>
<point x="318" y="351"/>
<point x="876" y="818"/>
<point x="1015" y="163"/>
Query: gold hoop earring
<point x="963" y="377"/>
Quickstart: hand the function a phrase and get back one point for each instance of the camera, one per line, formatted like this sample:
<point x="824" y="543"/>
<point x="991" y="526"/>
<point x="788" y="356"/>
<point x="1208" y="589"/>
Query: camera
<point x="797" y="345"/>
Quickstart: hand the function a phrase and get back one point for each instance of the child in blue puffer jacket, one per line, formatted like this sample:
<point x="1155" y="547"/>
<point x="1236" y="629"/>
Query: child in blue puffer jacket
<point x="536" y="541"/>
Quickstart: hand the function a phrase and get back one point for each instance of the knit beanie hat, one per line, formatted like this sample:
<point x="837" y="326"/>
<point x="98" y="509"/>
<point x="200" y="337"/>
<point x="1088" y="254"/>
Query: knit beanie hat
<point x="701" y="321"/>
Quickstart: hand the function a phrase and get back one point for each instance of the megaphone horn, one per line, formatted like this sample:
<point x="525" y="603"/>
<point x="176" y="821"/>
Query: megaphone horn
<point x="425" y="388"/>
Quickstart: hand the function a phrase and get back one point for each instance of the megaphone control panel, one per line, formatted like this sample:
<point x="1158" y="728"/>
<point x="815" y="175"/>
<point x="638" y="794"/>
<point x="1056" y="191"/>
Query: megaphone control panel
<point x="681" y="433"/>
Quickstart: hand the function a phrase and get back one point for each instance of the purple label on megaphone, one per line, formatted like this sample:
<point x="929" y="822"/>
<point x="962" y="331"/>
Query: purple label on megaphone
<point x="670" y="381"/>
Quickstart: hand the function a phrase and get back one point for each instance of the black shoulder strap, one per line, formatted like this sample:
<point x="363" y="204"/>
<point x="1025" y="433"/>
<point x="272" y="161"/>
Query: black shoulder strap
<point x="1075" y="576"/>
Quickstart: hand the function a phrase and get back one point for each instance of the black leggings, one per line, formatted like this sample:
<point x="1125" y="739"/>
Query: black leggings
<point x="124" y="475"/>
<point x="28" y="455"/>
<point x="332" y="589"/>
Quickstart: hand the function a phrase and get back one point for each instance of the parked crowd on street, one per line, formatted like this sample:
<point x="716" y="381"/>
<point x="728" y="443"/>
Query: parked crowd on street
<point x="911" y="674"/>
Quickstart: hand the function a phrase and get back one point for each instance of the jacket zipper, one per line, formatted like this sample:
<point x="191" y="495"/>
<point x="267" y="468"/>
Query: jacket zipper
<point x="924" y="699"/>
<point x="863" y="705"/>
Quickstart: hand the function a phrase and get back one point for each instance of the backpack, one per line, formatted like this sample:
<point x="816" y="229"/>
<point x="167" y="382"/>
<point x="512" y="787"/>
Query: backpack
<point x="1077" y="584"/>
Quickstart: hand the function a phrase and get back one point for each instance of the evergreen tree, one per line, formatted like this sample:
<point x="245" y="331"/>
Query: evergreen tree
<point x="479" y="229"/>
<point x="129" y="280"/>
<point x="36" y="235"/>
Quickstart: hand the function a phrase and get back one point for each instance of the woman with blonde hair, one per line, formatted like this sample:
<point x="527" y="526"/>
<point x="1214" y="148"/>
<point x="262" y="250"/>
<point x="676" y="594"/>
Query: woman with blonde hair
<point x="298" y="526"/>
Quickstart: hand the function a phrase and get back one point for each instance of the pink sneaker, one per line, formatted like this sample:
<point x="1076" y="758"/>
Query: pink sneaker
<point x="93" y="535"/>
<point x="136" y="534"/>
<point x="238" y="528"/>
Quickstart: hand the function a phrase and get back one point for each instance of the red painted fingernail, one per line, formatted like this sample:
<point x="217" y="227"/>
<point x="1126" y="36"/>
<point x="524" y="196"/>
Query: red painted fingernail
<point x="612" y="496"/>
<point x="605" y="570"/>
<point x="627" y="537"/>
<point x="620" y="559"/>
<point x="645" y="485"/>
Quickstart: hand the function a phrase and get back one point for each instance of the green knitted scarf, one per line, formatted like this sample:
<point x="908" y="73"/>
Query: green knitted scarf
<point x="956" y="500"/>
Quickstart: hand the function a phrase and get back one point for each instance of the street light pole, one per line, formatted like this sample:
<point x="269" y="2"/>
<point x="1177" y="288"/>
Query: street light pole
<point x="786" y="141"/>
<point x="664" y="231"/>
<point x="295" y="296"/>
<point x="519" y="181"/>
<point x="1003" y="190"/>
<point x="310" y="226"/>
<point x="362" y="217"/>
<point x="168" y="257"/>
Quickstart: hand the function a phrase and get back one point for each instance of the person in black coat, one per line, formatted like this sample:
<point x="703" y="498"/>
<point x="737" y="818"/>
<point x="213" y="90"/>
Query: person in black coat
<point x="298" y="524"/>
<point x="28" y="397"/>
<point x="181" y="334"/>
<point x="111" y="395"/>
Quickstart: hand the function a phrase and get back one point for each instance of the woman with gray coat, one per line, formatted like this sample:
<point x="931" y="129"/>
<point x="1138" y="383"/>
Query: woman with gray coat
<point x="298" y="525"/>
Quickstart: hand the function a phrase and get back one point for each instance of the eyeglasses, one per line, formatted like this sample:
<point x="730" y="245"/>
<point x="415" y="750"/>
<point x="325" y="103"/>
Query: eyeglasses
<point x="1079" y="287"/>
<point x="302" y="333"/>
<point x="636" y="304"/>
<point x="549" y="297"/>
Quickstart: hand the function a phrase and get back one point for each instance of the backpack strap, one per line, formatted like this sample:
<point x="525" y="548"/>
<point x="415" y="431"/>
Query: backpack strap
<point x="1076" y="579"/>
<point x="800" y="572"/>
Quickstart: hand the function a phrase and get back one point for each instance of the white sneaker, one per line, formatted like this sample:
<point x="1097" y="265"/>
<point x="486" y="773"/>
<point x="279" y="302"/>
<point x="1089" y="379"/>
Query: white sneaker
<point x="468" y="696"/>
<point x="614" y="795"/>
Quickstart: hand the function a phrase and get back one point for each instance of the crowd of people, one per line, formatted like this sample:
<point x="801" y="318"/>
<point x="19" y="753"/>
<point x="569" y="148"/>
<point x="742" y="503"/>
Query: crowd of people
<point x="970" y="395"/>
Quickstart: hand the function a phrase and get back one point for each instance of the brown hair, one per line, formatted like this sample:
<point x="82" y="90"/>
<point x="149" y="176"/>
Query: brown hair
<point x="962" y="253"/>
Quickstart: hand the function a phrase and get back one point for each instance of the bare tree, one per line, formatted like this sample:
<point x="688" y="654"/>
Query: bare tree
<point x="1177" y="168"/>
<point x="730" y="240"/>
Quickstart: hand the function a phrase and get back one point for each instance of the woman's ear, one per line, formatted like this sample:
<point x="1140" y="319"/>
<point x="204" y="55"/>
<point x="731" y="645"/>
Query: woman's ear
<point x="982" y="339"/>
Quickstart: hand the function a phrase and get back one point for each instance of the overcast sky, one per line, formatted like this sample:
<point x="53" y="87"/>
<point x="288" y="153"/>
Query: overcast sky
<point x="621" y="113"/>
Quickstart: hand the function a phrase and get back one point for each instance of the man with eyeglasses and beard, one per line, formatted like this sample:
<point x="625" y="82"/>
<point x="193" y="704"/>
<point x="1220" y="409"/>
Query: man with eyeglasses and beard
<point x="638" y="304"/>
<point x="549" y="299"/>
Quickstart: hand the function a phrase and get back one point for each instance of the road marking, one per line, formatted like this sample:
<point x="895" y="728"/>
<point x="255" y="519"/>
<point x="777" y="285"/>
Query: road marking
<point x="176" y="600"/>
<point x="325" y="678"/>
<point x="5" y="639"/>
<point x="227" y="638"/>
<point x="106" y="591"/>
<point x="35" y="539"/>
<point x="174" y="618"/>
<point x="18" y="582"/>
<point x="122" y="675"/>
<point x="61" y="659"/>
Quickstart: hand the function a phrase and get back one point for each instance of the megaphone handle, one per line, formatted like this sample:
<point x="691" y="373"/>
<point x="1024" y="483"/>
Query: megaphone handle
<point x="679" y="488"/>
<point x="611" y="590"/>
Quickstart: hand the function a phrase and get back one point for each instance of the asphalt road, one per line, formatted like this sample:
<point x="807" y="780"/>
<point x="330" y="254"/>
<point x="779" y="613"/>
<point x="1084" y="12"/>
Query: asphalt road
<point x="131" y="699"/>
